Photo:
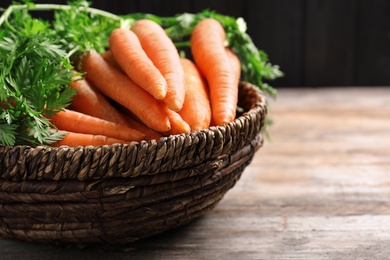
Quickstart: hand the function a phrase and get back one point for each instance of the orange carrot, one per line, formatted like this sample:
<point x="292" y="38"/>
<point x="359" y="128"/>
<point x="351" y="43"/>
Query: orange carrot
<point x="164" y="55"/>
<point x="137" y="124"/>
<point x="236" y="65"/>
<point x="90" y="101"/>
<point x="107" y="56"/>
<point x="128" y="53"/>
<point x="178" y="125"/>
<point x="78" y="139"/>
<point x="236" y="70"/>
<point x="74" y="121"/>
<point x="150" y="134"/>
<point x="120" y="88"/>
<point x="208" y="50"/>
<point x="196" y="110"/>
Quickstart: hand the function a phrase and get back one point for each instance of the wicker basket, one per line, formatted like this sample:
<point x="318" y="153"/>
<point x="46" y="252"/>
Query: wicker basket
<point x="121" y="193"/>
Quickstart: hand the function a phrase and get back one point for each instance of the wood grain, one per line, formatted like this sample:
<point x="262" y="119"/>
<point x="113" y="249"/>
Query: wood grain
<point x="319" y="189"/>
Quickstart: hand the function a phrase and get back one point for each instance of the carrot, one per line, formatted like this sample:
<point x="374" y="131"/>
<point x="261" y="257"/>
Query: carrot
<point x="128" y="53"/>
<point x="164" y="55"/>
<point x="107" y="56"/>
<point x="236" y="65"/>
<point x="208" y="50"/>
<point x="178" y="125"/>
<point x="150" y="134"/>
<point x="196" y="110"/>
<point x="137" y="124"/>
<point x="78" y="139"/>
<point x="236" y="70"/>
<point x="90" y="101"/>
<point x="74" y="121"/>
<point x="120" y="88"/>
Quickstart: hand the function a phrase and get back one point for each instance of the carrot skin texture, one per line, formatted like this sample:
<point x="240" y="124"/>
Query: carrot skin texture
<point x="74" y="121"/>
<point x="208" y="50"/>
<point x="107" y="56"/>
<point x="128" y="53"/>
<point x="79" y="139"/>
<point x="236" y="70"/>
<point x="90" y="101"/>
<point x="120" y="88"/>
<point x="236" y="65"/>
<point x="196" y="110"/>
<point x="164" y="55"/>
<point x="137" y="124"/>
<point x="150" y="134"/>
<point x="178" y="125"/>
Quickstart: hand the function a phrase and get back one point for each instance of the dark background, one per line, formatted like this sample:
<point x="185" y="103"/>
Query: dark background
<point x="315" y="42"/>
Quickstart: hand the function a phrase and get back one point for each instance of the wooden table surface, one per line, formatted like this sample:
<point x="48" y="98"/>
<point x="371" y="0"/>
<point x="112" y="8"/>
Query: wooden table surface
<point x="319" y="189"/>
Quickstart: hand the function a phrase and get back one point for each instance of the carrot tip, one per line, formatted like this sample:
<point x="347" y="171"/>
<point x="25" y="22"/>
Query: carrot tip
<point x="174" y="105"/>
<point x="161" y="94"/>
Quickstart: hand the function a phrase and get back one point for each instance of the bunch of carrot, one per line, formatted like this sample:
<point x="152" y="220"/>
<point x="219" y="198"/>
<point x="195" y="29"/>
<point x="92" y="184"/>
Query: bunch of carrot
<point x="141" y="89"/>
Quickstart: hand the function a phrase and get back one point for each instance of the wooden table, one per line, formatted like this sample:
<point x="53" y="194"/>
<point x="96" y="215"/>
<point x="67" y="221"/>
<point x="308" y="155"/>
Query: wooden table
<point x="319" y="189"/>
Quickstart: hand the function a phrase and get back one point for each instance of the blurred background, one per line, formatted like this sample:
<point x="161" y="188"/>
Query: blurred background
<point x="315" y="42"/>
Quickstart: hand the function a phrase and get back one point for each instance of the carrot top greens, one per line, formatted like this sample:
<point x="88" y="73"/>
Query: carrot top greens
<point x="33" y="76"/>
<point x="35" y="65"/>
<point x="36" y="59"/>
